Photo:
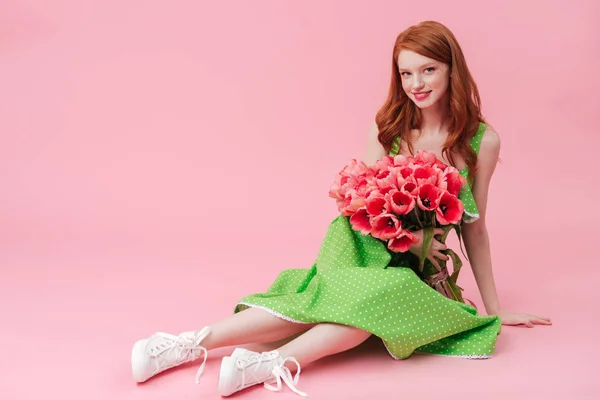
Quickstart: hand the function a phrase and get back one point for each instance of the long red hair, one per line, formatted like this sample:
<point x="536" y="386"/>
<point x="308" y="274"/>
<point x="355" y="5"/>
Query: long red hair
<point x="399" y="115"/>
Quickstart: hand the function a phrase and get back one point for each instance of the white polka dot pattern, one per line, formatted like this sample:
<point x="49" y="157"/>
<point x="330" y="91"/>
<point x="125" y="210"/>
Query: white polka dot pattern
<point x="354" y="282"/>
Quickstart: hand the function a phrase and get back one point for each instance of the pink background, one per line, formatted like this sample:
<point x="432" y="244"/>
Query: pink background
<point x="157" y="163"/>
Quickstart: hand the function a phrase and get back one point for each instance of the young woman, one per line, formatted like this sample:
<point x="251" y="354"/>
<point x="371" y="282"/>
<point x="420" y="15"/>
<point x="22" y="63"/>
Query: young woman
<point x="355" y="289"/>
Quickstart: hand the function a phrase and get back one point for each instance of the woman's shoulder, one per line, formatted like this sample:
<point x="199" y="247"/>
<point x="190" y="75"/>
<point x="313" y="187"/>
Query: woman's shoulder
<point x="490" y="140"/>
<point x="488" y="153"/>
<point x="374" y="150"/>
<point x="485" y="136"/>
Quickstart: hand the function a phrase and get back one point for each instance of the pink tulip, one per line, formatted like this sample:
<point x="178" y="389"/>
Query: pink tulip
<point x="380" y="192"/>
<point x="441" y="165"/>
<point x="385" y="226"/>
<point x="454" y="181"/>
<point x="401" y="202"/>
<point x="410" y="187"/>
<point x="376" y="204"/>
<point x="385" y="178"/>
<point x="340" y="186"/>
<point x="428" y="197"/>
<point x="406" y="172"/>
<point x="383" y="163"/>
<point x="426" y="174"/>
<point x="450" y="209"/>
<point x="425" y="157"/>
<point x="401" y="160"/>
<point x="354" y="168"/>
<point x="402" y="243"/>
<point x="361" y="221"/>
<point x="351" y="203"/>
<point x="362" y="185"/>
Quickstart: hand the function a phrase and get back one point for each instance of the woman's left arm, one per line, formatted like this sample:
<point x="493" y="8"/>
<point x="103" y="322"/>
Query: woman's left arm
<point x="476" y="239"/>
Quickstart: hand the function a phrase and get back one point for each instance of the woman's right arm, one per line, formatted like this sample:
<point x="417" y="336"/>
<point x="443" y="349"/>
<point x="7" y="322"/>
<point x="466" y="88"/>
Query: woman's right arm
<point x="374" y="150"/>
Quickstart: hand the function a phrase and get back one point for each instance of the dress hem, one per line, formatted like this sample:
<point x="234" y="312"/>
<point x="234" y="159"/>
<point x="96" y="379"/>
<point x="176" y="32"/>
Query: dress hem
<point x="472" y="357"/>
<point x="271" y="311"/>
<point x="286" y="318"/>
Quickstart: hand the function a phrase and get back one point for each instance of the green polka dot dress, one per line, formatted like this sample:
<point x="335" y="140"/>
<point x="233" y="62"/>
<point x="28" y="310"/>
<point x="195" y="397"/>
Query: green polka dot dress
<point x="355" y="281"/>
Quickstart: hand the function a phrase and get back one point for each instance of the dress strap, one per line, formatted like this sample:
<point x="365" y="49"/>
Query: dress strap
<point x="395" y="146"/>
<point x="476" y="140"/>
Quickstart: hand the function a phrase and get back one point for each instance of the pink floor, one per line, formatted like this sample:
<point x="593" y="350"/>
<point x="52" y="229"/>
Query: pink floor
<point x="68" y="330"/>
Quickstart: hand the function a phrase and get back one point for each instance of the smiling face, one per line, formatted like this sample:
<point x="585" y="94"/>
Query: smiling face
<point x="424" y="80"/>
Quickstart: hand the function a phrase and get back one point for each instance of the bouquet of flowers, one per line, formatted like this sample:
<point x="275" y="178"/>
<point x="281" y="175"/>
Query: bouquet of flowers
<point x="398" y="196"/>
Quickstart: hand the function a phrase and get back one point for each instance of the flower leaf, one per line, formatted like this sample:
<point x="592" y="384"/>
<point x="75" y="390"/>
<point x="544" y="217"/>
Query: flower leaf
<point x="458" y="230"/>
<point x="456" y="264"/>
<point x="427" y="239"/>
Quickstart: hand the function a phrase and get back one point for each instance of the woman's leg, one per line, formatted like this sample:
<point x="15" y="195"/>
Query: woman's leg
<point x="321" y="341"/>
<point x="161" y="351"/>
<point x="246" y="368"/>
<point x="252" y="325"/>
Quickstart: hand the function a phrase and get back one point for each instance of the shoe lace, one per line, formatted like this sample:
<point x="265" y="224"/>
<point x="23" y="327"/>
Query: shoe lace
<point x="182" y="348"/>
<point x="283" y="373"/>
<point x="280" y="373"/>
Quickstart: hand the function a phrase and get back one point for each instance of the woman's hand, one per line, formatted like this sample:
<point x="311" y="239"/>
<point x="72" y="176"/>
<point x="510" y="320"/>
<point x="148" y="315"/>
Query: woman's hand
<point x="434" y="253"/>
<point x="510" y="318"/>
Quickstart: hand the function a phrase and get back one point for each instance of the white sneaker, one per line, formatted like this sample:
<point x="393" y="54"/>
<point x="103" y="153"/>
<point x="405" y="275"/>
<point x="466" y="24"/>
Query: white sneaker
<point x="162" y="351"/>
<point x="245" y="368"/>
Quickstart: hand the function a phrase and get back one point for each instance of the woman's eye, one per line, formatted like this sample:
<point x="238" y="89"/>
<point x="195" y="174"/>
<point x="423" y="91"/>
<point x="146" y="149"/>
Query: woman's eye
<point x="430" y="69"/>
<point x="405" y="73"/>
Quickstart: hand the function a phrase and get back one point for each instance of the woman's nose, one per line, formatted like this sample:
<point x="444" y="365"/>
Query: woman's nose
<point x="417" y="82"/>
